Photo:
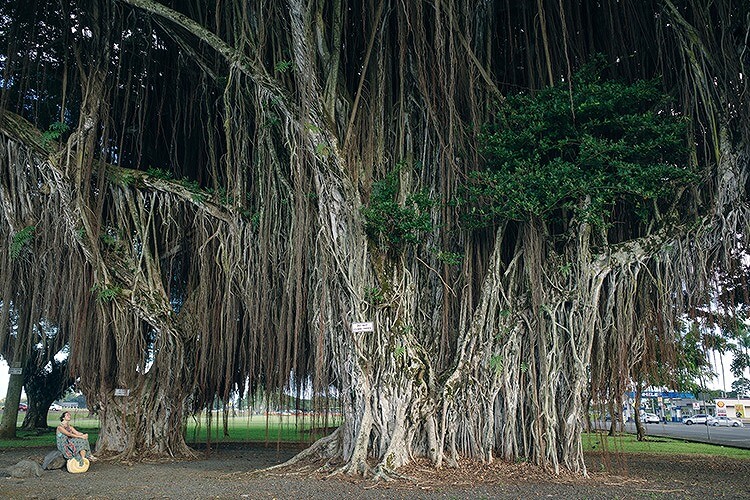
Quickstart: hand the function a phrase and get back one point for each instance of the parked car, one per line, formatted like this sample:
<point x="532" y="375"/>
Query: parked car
<point x="700" y="418"/>
<point x="726" y="422"/>
<point x="650" y="418"/>
<point x="22" y="407"/>
<point x="55" y="407"/>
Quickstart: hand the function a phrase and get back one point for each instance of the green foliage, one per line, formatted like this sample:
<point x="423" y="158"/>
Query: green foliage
<point x="106" y="293"/>
<point x="190" y="184"/>
<point x="271" y="121"/>
<point x="53" y="133"/>
<point x="255" y="220"/>
<point x="496" y="363"/>
<point x="220" y="195"/>
<point x="20" y="240"/>
<point x="111" y="238"/>
<point x="691" y="363"/>
<point x="741" y="387"/>
<point x="566" y="268"/>
<point x="284" y="66"/>
<point x="159" y="173"/>
<point x="374" y="296"/>
<point x="622" y="143"/>
<point x="124" y="178"/>
<point x="450" y="258"/>
<point x="322" y="150"/>
<point x="392" y="225"/>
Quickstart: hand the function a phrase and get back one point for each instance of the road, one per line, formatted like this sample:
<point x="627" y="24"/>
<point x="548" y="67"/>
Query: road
<point x="739" y="437"/>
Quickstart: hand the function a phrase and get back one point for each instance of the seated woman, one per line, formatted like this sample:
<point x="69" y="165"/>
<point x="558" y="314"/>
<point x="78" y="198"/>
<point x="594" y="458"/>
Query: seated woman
<point x="71" y="443"/>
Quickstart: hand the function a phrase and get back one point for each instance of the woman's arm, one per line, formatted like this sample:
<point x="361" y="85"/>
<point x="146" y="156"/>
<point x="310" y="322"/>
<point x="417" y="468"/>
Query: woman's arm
<point x="78" y="434"/>
<point x="63" y="430"/>
<point x="71" y="432"/>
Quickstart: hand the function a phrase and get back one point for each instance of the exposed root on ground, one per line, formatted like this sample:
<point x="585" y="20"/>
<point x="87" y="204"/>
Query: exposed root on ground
<point x="320" y="449"/>
<point x="384" y="473"/>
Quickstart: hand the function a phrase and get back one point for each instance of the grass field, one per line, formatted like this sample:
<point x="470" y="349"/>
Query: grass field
<point x="288" y="428"/>
<point x="255" y="428"/>
<point x="627" y="443"/>
<point x="241" y="428"/>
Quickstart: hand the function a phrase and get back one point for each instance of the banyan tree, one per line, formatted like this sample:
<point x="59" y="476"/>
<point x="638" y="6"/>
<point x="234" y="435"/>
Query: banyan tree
<point x="203" y="197"/>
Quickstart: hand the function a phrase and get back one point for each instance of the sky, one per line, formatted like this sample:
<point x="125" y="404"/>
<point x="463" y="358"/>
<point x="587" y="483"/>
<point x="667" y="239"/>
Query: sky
<point x="3" y="378"/>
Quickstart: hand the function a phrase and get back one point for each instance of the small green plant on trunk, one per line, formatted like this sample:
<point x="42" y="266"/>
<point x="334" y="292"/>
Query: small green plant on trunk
<point x="20" y="241"/>
<point x="392" y="224"/>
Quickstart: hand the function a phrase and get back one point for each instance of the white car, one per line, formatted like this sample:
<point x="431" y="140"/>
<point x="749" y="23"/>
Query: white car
<point x="726" y="422"/>
<point x="700" y="418"/>
<point x="650" y="418"/>
<point x="55" y="407"/>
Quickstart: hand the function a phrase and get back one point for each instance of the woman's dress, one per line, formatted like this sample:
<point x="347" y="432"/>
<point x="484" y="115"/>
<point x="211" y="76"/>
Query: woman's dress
<point x="71" y="447"/>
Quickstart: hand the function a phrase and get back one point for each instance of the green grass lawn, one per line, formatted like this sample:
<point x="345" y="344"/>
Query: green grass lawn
<point x="255" y="428"/>
<point x="27" y="439"/>
<point x="241" y="428"/>
<point x="288" y="428"/>
<point x="627" y="443"/>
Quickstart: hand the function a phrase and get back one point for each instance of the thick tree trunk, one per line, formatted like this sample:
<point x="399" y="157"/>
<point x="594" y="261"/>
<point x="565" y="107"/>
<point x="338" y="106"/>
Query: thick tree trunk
<point x="15" y="384"/>
<point x="147" y="422"/>
<point x="36" y="413"/>
<point x="639" y="428"/>
<point x="12" y="399"/>
<point x="45" y="381"/>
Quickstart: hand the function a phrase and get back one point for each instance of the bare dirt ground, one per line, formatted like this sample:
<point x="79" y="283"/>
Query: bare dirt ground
<point x="227" y="472"/>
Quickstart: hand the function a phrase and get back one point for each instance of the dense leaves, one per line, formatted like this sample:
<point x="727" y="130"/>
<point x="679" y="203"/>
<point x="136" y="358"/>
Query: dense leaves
<point x="391" y="224"/>
<point x="581" y="151"/>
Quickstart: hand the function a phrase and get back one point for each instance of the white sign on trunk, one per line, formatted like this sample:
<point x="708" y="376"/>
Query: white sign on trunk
<point x="122" y="392"/>
<point x="363" y="327"/>
<point x="15" y="371"/>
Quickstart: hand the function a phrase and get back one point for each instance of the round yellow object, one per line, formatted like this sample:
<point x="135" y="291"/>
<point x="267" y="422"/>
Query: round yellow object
<point x="75" y="468"/>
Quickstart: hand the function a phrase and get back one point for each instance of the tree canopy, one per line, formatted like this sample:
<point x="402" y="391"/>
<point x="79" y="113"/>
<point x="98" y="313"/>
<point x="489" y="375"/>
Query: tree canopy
<point x="204" y="197"/>
<point x="584" y="150"/>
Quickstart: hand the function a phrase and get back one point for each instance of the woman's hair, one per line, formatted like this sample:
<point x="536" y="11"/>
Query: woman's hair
<point x="62" y="417"/>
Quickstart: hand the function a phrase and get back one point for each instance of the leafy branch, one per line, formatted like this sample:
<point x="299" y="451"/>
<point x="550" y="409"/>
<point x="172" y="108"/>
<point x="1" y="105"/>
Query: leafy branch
<point x="20" y="240"/>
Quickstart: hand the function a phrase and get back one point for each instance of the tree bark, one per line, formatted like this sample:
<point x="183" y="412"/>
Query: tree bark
<point x="12" y="399"/>
<point x="9" y="423"/>
<point x="639" y="428"/>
